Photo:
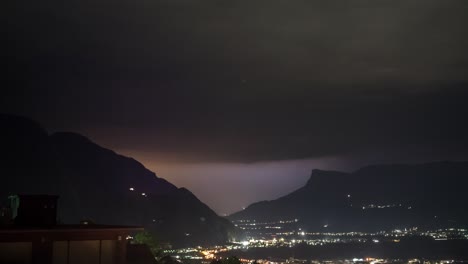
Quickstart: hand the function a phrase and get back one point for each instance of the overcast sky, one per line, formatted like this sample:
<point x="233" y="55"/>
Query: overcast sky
<point x="245" y="93"/>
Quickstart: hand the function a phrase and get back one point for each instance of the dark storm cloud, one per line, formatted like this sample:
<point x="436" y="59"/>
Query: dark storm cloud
<point x="245" y="80"/>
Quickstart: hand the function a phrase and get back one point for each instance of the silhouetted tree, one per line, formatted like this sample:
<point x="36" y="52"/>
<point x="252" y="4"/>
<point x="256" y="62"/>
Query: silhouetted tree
<point x="145" y="237"/>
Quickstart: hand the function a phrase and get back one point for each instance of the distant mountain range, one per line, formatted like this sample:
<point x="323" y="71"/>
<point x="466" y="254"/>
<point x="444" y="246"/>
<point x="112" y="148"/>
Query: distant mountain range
<point x="98" y="184"/>
<point x="374" y="198"/>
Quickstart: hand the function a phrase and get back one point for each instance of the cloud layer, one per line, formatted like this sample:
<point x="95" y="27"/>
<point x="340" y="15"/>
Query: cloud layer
<point x="245" y="81"/>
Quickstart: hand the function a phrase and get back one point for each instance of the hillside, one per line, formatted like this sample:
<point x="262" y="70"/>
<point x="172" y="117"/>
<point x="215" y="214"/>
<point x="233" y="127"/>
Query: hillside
<point x="374" y="198"/>
<point x="98" y="184"/>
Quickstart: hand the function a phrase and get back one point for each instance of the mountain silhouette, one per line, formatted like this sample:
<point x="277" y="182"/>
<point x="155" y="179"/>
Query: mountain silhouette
<point x="374" y="198"/>
<point x="95" y="183"/>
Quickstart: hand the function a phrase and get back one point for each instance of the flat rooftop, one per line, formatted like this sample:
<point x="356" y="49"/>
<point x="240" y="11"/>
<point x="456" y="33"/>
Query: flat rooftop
<point x="66" y="232"/>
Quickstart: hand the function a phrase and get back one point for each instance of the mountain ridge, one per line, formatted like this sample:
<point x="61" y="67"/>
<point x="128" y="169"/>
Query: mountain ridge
<point x="373" y="197"/>
<point x="98" y="184"/>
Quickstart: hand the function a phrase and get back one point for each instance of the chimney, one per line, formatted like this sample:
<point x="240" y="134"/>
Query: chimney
<point x="34" y="210"/>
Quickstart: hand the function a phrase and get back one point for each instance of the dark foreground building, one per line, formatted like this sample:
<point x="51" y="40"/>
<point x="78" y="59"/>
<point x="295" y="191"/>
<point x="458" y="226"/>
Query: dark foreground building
<point x="29" y="235"/>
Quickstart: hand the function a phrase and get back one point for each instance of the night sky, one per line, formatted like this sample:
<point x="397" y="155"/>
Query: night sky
<point x="238" y="100"/>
